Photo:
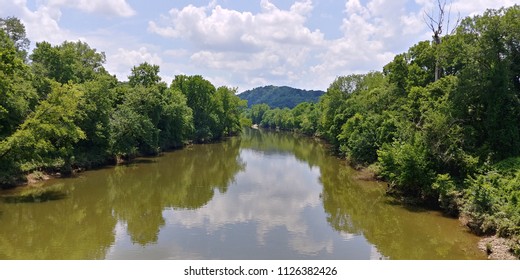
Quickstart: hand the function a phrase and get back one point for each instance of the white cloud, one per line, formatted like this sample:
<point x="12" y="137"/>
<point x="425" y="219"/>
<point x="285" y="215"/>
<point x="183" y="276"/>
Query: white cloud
<point x="270" y="42"/>
<point x="121" y="62"/>
<point x="40" y="24"/>
<point x="225" y="29"/>
<point x="372" y="34"/>
<point x="110" y="8"/>
<point x="479" y="6"/>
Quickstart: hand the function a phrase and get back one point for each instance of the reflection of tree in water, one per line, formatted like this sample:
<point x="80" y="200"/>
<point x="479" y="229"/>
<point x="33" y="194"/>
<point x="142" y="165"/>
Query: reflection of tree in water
<point x="184" y="179"/>
<point x="305" y="149"/>
<point x="58" y="229"/>
<point x="358" y="207"/>
<point x="362" y="208"/>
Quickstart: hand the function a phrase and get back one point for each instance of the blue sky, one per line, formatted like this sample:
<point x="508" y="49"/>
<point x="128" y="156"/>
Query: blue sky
<point x="244" y="44"/>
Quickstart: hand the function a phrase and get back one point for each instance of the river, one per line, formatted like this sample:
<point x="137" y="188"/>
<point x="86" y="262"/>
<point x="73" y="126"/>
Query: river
<point x="263" y="195"/>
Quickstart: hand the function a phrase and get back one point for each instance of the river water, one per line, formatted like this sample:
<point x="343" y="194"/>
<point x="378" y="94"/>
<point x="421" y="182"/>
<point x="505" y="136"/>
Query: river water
<point x="263" y="195"/>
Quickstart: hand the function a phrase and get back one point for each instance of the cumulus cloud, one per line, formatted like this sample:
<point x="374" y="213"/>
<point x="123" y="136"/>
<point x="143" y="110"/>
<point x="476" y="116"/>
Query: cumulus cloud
<point x="110" y="8"/>
<point x="224" y="29"/>
<point x="268" y="44"/>
<point x="479" y="6"/>
<point x="41" y="24"/>
<point x="123" y="60"/>
<point x="372" y="34"/>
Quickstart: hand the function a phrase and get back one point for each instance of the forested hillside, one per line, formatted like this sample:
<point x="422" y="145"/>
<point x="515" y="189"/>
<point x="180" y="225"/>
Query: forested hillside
<point x="280" y="97"/>
<point x="63" y="110"/>
<point x="451" y="138"/>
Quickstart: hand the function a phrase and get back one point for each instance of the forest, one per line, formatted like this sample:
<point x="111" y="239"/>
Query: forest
<point x="439" y="123"/>
<point x="61" y="111"/>
<point x="280" y="97"/>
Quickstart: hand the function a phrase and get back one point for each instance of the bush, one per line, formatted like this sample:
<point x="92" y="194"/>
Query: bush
<point x="406" y="167"/>
<point x="449" y="195"/>
<point x="492" y="199"/>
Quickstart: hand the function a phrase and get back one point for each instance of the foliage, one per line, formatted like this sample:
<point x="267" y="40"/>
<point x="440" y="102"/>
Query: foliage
<point x="492" y="199"/>
<point x="17" y="97"/>
<point x="216" y="112"/>
<point x="69" y="62"/>
<point x="47" y="137"/>
<point x="15" y="30"/>
<point x="227" y="108"/>
<point x="280" y="97"/>
<point x="65" y="111"/>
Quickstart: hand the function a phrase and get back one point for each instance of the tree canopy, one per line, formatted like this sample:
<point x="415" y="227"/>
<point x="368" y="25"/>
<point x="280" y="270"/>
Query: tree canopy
<point x="64" y="110"/>
<point x="280" y="97"/>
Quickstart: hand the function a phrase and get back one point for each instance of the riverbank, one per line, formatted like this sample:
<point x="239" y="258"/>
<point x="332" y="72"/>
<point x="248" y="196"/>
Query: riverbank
<point x="497" y="248"/>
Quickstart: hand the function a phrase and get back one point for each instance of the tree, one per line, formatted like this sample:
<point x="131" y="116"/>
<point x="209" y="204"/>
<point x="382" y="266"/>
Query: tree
<point x="145" y="74"/>
<point x="15" y="30"/>
<point x="69" y="62"/>
<point x="228" y="107"/>
<point x="258" y="111"/>
<point x="176" y="121"/>
<point x="17" y="97"/>
<point x="99" y="95"/>
<point x="199" y="92"/>
<point x="48" y="136"/>
<point x="487" y="99"/>
<point x="436" y="25"/>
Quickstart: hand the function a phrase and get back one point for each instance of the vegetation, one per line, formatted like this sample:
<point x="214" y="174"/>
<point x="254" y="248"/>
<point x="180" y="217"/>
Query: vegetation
<point x="280" y="97"/>
<point x="449" y="138"/>
<point x="63" y="110"/>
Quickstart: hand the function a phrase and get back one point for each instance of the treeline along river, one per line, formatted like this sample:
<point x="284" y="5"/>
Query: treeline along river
<point x="262" y="195"/>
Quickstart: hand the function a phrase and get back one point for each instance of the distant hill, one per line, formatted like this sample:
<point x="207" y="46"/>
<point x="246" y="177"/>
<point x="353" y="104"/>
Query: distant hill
<point x="280" y="96"/>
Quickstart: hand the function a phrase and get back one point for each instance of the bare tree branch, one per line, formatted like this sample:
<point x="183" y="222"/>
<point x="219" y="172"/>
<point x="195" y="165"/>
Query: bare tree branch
<point x="435" y="22"/>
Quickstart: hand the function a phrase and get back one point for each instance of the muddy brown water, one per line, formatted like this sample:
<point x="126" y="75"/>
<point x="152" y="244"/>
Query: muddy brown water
<point x="263" y="195"/>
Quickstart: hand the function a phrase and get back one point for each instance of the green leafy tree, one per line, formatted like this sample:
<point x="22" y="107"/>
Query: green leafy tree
<point x="199" y="94"/>
<point x="228" y="107"/>
<point x="69" y="62"/>
<point x="48" y="136"/>
<point x="99" y="96"/>
<point x="145" y="74"/>
<point x="258" y="111"/>
<point x="17" y="97"/>
<point x="15" y="30"/>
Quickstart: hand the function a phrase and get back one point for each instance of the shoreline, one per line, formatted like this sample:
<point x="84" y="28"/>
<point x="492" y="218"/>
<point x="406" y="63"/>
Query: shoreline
<point x="496" y="248"/>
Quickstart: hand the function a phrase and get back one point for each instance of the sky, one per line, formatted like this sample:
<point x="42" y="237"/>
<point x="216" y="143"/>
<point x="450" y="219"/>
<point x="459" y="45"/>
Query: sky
<point x="245" y="44"/>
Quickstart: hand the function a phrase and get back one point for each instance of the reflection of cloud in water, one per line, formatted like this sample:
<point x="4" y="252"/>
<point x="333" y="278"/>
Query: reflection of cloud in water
<point x="271" y="195"/>
<point x="346" y="235"/>
<point x="124" y="248"/>
<point x="374" y="254"/>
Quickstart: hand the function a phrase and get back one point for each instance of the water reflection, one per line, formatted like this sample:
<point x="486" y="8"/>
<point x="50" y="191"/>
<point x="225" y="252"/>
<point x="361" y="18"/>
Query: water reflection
<point x="37" y="195"/>
<point x="261" y="196"/>
<point x="80" y="226"/>
<point x="397" y="232"/>
<point x="271" y="210"/>
<point x="185" y="179"/>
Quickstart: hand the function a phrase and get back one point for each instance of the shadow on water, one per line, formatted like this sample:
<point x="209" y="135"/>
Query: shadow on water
<point x="408" y="205"/>
<point x="35" y="196"/>
<point x="139" y="161"/>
